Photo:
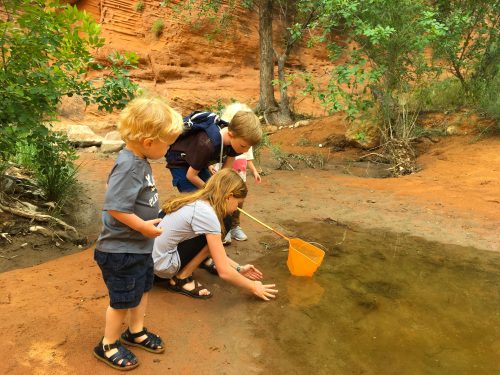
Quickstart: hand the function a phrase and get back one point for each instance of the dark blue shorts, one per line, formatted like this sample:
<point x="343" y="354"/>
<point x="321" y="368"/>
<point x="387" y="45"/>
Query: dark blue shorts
<point x="180" y="181"/>
<point x="127" y="276"/>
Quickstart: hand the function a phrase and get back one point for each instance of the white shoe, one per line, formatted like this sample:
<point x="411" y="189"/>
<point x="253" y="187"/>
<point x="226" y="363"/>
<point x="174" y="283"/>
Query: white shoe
<point x="238" y="234"/>
<point x="227" y="239"/>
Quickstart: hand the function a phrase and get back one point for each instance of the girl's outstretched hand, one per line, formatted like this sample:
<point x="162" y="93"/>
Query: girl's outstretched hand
<point x="250" y="272"/>
<point x="266" y="292"/>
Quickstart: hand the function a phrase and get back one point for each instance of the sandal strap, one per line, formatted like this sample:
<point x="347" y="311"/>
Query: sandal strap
<point x="198" y="287"/>
<point x="151" y="341"/>
<point x="138" y="334"/>
<point x="181" y="282"/>
<point x="124" y="355"/>
<point x="107" y="347"/>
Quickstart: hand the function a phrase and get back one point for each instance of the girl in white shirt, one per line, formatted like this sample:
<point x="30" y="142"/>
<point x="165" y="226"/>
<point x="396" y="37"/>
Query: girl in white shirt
<point x="192" y="231"/>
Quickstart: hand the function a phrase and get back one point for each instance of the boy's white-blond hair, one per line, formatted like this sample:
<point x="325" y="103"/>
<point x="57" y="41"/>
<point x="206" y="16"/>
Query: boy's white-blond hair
<point x="229" y="112"/>
<point x="149" y="117"/>
<point x="243" y="123"/>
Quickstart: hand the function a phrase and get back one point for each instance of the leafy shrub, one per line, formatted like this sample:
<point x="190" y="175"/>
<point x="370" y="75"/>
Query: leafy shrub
<point x="158" y="27"/>
<point x="257" y="149"/>
<point x="139" y="6"/>
<point x="445" y="95"/>
<point x="52" y="161"/>
<point x="42" y="64"/>
<point x="489" y="100"/>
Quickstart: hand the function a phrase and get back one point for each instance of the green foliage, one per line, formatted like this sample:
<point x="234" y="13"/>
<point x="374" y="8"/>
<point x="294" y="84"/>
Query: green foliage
<point x="489" y="99"/>
<point x="445" y="95"/>
<point x="387" y="57"/>
<point x="39" y="65"/>
<point x="139" y="6"/>
<point x="218" y="107"/>
<point x="46" y="53"/>
<point x="55" y="171"/>
<point x="51" y="159"/>
<point x="257" y="149"/>
<point x="360" y="136"/>
<point x="469" y="48"/>
<point x="158" y="27"/>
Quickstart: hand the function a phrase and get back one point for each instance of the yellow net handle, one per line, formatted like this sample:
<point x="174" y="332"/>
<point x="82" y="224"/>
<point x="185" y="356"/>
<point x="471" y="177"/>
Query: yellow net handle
<point x="265" y="225"/>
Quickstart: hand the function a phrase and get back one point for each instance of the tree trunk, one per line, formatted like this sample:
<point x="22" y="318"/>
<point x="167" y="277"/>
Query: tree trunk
<point x="267" y="101"/>
<point x="273" y="114"/>
<point x="285" y="113"/>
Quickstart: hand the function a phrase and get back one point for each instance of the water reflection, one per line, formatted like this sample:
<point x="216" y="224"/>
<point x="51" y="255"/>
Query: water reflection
<point x="383" y="304"/>
<point x="303" y="292"/>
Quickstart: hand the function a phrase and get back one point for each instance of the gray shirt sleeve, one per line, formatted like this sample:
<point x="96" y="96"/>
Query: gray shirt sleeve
<point x="124" y="186"/>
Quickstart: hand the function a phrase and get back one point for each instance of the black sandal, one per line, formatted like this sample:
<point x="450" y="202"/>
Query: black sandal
<point x="123" y="354"/>
<point x="153" y="343"/>
<point x="210" y="267"/>
<point x="195" y="293"/>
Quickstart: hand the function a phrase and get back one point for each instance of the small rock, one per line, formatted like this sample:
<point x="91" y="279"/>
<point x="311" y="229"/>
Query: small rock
<point x="111" y="146"/>
<point x="302" y="123"/>
<point x="91" y="149"/>
<point x="113" y="136"/>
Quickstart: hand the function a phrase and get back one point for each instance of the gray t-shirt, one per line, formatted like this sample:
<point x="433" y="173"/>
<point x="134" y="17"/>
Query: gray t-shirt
<point x="187" y="222"/>
<point x="131" y="189"/>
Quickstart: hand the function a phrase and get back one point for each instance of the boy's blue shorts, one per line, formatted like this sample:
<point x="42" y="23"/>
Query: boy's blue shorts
<point x="180" y="181"/>
<point x="127" y="276"/>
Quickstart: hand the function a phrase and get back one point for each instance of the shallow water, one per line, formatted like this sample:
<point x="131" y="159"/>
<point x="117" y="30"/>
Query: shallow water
<point x="381" y="304"/>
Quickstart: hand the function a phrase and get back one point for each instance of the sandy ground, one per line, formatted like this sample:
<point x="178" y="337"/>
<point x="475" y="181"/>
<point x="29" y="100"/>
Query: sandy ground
<point x="52" y="315"/>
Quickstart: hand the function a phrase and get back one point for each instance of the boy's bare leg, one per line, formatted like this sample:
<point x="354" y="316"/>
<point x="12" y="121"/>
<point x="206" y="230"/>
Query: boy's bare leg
<point x="112" y="331"/>
<point x="137" y="314"/>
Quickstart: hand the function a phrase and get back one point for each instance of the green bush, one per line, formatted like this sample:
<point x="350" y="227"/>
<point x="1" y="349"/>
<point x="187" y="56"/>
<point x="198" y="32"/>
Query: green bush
<point x="55" y="171"/>
<point x="445" y="95"/>
<point x="39" y="66"/>
<point x="257" y="149"/>
<point x="51" y="159"/>
<point x="158" y="27"/>
<point x="489" y="99"/>
<point x="139" y="6"/>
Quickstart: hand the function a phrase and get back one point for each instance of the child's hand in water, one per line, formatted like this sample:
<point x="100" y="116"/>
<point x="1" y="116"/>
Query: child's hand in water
<point x="149" y="229"/>
<point x="266" y="292"/>
<point x="250" y="272"/>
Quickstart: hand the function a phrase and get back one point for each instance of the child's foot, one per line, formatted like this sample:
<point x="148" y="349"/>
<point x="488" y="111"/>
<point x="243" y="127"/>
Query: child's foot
<point x="144" y="340"/>
<point x="116" y="356"/>
<point x="227" y="239"/>
<point x="238" y="234"/>
<point x="209" y="265"/>
<point x="189" y="287"/>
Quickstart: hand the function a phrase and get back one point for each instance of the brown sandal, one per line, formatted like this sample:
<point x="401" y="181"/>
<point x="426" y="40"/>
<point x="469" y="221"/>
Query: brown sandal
<point x="178" y="288"/>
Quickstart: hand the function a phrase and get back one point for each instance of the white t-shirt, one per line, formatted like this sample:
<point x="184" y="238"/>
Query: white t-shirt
<point x="187" y="222"/>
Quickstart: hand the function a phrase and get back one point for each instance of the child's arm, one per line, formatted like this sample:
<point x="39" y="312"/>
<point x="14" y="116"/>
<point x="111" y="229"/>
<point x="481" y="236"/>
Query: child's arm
<point x="192" y="176"/>
<point x="255" y="173"/>
<point x="146" y="227"/>
<point x="226" y="269"/>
